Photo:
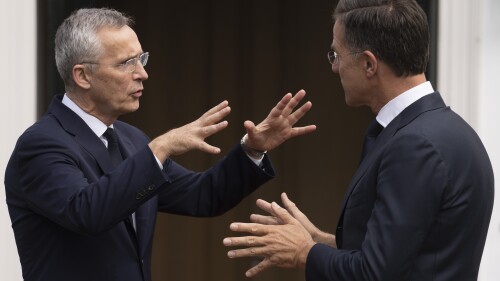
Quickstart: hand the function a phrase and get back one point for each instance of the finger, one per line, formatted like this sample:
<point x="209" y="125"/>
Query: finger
<point x="261" y="266"/>
<point x="267" y="220"/>
<point x="253" y="228"/>
<point x="249" y="126"/>
<point x="282" y="214"/>
<point x="299" y="113"/>
<point x="247" y="241"/>
<point x="286" y="201"/>
<point x="257" y="251"/>
<point x="296" y="213"/>
<point x="293" y="103"/>
<point x="264" y="205"/>
<point x="216" y="108"/>
<point x="208" y="119"/>
<point x="209" y="130"/>
<point x="289" y="205"/>
<point x="278" y="109"/>
<point x="205" y="147"/>
<point x="299" y="131"/>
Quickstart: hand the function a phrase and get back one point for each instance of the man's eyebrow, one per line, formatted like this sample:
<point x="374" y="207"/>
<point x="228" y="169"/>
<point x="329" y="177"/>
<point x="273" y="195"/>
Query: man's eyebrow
<point x="132" y="57"/>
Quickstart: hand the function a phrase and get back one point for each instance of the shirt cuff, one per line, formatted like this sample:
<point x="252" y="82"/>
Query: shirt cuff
<point x="158" y="161"/>
<point x="257" y="162"/>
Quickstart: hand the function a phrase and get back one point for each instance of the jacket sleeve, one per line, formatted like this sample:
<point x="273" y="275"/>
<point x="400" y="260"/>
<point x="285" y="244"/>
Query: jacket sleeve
<point x="215" y="190"/>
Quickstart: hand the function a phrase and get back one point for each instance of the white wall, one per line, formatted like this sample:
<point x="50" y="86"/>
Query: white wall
<point x="17" y="106"/>
<point x="489" y="127"/>
<point x="468" y="79"/>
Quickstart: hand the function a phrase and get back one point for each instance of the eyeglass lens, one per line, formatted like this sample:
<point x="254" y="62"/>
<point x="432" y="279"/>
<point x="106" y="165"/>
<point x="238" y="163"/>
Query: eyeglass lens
<point x="131" y="64"/>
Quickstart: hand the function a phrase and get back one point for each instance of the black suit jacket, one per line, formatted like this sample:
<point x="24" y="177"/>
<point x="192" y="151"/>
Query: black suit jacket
<point x="419" y="205"/>
<point x="67" y="204"/>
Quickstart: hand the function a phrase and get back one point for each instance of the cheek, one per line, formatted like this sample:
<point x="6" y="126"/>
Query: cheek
<point x="118" y="87"/>
<point x="345" y="76"/>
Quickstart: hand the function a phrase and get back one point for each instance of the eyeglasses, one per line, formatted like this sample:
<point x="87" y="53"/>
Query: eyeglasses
<point x="129" y="66"/>
<point x="333" y="57"/>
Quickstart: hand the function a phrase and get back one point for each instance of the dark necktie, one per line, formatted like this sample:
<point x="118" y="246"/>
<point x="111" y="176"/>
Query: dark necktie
<point x="371" y="134"/>
<point x="116" y="159"/>
<point x="113" y="148"/>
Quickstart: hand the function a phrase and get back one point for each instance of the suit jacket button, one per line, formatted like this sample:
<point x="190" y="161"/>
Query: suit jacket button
<point x="151" y="187"/>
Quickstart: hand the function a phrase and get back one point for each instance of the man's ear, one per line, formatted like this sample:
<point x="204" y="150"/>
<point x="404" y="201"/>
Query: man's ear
<point x="81" y="76"/>
<point x="371" y="63"/>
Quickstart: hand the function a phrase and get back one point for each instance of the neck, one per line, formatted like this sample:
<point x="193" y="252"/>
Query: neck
<point x="393" y="86"/>
<point x="89" y="107"/>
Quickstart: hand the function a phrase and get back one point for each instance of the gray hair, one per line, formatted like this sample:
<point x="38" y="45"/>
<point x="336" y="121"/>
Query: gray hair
<point x="76" y="38"/>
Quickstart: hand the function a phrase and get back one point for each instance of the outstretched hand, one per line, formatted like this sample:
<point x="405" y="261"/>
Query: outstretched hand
<point x="192" y="136"/>
<point x="284" y="245"/>
<point x="316" y="234"/>
<point x="278" y="125"/>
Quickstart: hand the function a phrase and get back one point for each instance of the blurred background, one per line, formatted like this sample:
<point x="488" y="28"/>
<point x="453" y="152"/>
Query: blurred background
<point x="250" y="53"/>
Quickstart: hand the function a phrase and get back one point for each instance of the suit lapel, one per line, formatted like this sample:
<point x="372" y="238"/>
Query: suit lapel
<point x="426" y="103"/>
<point x="82" y="133"/>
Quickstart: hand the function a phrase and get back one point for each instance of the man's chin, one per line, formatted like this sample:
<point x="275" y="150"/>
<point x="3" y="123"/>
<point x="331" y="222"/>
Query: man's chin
<point x="131" y="107"/>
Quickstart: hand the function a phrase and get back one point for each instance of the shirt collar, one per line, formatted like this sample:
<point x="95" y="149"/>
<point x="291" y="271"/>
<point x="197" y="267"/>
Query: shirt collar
<point x="395" y="106"/>
<point x="96" y="125"/>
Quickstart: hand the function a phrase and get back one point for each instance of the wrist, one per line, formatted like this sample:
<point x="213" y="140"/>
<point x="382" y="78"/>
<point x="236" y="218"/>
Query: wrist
<point x="252" y="152"/>
<point x="158" y="150"/>
<point x="302" y="258"/>
<point x="326" y="238"/>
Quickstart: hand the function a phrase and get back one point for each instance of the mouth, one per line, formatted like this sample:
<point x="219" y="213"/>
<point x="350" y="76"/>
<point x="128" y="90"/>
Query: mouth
<point x="137" y="94"/>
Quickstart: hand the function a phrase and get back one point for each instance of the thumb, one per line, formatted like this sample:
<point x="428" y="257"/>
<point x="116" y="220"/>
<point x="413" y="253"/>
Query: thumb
<point x="249" y="126"/>
<point x="281" y="213"/>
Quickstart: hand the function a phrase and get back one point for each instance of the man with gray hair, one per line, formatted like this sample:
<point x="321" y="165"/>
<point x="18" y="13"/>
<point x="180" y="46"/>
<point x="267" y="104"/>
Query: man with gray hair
<point x="83" y="189"/>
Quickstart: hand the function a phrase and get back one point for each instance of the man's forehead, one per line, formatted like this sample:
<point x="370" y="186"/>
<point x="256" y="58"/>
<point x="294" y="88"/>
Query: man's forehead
<point x="120" y="42"/>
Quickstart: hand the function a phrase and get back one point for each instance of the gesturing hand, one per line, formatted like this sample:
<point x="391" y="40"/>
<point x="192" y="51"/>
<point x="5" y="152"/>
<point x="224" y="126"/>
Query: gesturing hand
<point x="192" y="136"/>
<point x="316" y="234"/>
<point x="278" y="125"/>
<point x="285" y="245"/>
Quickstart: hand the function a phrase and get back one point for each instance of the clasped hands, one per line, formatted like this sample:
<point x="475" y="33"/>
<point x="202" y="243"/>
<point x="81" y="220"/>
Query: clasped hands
<point x="276" y="128"/>
<point x="283" y="239"/>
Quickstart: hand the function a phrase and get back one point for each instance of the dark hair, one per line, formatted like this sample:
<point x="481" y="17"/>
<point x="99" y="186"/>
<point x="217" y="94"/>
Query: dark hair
<point x="395" y="31"/>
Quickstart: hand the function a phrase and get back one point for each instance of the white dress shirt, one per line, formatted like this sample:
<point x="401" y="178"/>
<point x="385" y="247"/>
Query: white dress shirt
<point x="394" y="107"/>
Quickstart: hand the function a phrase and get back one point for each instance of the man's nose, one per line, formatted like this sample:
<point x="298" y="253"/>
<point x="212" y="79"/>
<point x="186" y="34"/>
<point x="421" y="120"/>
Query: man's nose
<point x="140" y="72"/>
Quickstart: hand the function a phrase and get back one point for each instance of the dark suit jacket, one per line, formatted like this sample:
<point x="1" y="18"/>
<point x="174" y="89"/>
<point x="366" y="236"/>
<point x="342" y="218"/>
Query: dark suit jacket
<point x="67" y="204"/>
<point x="419" y="205"/>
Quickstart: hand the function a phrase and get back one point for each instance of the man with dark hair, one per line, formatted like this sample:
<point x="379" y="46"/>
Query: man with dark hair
<point x="83" y="189"/>
<point x="419" y="205"/>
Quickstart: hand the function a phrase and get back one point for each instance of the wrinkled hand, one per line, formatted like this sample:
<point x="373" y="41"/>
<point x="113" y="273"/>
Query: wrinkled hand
<point x="192" y="136"/>
<point x="285" y="245"/>
<point x="316" y="234"/>
<point x="278" y="125"/>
